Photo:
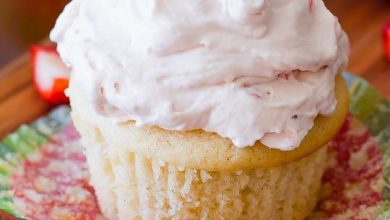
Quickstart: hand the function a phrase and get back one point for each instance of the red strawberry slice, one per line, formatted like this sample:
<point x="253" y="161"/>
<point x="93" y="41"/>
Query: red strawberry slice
<point x="310" y="5"/>
<point x="50" y="75"/>
<point x="386" y="39"/>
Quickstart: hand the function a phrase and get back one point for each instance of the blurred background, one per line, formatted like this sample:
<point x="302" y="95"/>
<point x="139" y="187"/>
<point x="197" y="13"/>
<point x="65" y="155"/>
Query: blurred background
<point x="23" y="22"/>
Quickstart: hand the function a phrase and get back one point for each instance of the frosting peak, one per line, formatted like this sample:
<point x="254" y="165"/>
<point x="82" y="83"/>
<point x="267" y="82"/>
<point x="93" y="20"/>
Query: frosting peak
<point x="246" y="69"/>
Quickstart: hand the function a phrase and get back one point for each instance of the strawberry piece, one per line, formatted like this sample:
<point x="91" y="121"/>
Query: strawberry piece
<point x="386" y="40"/>
<point x="50" y="75"/>
<point x="310" y="5"/>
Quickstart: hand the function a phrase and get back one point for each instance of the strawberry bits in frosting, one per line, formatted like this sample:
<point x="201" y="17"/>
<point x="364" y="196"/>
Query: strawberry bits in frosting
<point x="249" y="70"/>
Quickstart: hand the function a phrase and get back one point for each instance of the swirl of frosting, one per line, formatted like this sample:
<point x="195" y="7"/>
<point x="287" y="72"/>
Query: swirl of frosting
<point x="249" y="70"/>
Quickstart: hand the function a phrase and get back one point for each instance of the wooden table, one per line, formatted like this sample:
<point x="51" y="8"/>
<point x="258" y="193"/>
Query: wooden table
<point x="363" y="21"/>
<point x="23" y="22"/>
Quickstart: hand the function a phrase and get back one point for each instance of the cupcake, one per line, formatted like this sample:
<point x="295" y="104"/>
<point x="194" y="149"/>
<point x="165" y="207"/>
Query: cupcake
<point x="205" y="109"/>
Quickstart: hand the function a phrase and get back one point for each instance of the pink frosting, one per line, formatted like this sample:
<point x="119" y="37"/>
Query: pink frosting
<point x="249" y="70"/>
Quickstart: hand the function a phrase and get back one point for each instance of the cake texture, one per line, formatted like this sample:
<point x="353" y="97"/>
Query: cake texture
<point x="135" y="187"/>
<point x="130" y="185"/>
<point x="204" y="150"/>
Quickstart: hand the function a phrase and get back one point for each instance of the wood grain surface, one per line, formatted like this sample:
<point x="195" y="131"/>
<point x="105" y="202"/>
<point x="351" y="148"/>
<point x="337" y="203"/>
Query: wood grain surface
<point x="19" y="102"/>
<point x="362" y="20"/>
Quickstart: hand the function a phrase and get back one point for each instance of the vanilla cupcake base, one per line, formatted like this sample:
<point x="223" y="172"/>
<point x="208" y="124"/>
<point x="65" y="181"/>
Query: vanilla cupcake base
<point x="131" y="186"/>
<point x="151" y="173"/>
